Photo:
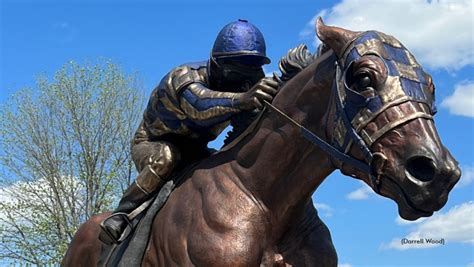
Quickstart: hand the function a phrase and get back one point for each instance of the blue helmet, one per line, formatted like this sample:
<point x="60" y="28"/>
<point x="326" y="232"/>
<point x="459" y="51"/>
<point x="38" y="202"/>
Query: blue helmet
<point x="242" y="41"/>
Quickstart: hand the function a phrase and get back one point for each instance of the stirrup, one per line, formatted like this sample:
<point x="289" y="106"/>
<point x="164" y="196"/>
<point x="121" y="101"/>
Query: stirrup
<point x="107" y="237"/>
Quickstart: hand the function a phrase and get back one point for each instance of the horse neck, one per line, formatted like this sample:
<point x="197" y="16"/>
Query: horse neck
<point x="275" y="163"/>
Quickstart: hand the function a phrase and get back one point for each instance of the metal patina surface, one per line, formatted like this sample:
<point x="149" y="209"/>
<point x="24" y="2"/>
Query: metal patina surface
<point x="250" y="204"/>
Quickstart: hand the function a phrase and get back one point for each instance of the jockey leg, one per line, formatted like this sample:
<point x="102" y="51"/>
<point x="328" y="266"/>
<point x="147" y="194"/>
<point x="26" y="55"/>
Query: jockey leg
<point x="155" y="170"/>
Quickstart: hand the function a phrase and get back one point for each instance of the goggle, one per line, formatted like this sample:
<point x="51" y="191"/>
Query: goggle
<point x="228" y="66"/>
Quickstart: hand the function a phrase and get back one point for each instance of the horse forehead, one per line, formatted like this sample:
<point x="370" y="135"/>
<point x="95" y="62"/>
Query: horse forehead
<point x="405" y="76"/>
<point x="383" y="45"/>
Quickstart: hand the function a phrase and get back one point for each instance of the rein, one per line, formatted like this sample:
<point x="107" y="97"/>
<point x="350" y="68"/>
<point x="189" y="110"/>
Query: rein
<point x="405" y="98"/>
<point x="323" y="145"/>
<point x="354" y="112"/>
<point x="330" y="149"/>
<point x="372" y="167"/>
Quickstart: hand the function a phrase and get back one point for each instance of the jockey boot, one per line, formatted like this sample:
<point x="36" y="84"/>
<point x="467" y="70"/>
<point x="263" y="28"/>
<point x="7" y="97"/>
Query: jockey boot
<point x="140" y="191"/>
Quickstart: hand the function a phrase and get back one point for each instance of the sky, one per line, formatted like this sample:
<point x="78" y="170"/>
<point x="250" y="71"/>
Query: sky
<point x="151" y="37"/>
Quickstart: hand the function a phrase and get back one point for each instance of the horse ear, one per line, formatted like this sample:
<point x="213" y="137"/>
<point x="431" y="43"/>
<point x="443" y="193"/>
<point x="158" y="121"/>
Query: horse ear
<point x="336" y="38"/>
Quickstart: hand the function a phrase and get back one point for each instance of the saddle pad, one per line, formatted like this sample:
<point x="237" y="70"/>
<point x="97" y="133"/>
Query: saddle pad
<point x="130" y="252"/>
<point x="134" y="253"/>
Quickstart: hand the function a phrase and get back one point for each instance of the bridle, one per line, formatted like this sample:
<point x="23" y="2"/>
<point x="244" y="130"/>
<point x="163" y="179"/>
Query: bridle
<point x="326" y="147"/>
<point x="331" y="149"/>
<point x="354" y="131"/>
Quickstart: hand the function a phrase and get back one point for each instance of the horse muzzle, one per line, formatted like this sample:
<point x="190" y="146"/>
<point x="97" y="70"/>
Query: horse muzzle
<point x="428" y="181"/>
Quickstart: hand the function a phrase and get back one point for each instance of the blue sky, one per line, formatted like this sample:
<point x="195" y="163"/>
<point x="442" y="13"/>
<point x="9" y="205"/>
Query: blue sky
<point x="38" y="37"/>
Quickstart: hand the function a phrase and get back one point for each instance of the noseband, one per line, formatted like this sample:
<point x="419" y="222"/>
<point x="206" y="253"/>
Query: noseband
<point x="406" y="88"/>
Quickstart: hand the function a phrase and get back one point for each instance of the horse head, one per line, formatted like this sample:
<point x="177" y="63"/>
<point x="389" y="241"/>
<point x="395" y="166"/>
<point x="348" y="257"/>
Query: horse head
<point x="383" y="117"/>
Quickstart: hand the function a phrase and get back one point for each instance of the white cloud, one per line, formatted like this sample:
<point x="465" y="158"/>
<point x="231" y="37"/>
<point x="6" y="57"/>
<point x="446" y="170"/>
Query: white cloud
<point x="454" y="226"/>
<point x="4" y="196"/>
<point x="461" y="102"/>
<point x="5" y="199"/>
<point x="323" y="209"/>
<point x="344" y="265"/>
<point x="467" y="176"/>
<point x="9" y="196"/>
<point x="438" y="33"/>
<point x="38" y="191"/>
<point x="309" y="30"/>
<point x="362" y="193"/>
<point x="401" y="221"/>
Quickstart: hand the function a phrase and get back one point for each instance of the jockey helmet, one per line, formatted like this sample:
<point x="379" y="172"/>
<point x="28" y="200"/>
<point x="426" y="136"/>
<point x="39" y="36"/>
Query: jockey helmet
<point x="240" y="41"/>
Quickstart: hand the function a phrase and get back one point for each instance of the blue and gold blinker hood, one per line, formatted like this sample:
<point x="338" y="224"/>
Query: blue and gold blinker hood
<point x="406" y="77"/>
<point x="406" y="82"/>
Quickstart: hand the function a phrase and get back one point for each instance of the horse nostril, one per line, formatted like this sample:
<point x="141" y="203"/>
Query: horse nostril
<point x="421" y="168"/>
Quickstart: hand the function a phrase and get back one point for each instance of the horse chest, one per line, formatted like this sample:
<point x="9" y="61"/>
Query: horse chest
<point x="228" y="228"/>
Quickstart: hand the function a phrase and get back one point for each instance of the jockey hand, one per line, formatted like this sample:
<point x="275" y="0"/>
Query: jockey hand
<point x="265" y="89"/>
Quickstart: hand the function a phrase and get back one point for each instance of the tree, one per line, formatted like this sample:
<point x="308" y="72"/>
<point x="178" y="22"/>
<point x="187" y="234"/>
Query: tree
<point x="64" y="156"/>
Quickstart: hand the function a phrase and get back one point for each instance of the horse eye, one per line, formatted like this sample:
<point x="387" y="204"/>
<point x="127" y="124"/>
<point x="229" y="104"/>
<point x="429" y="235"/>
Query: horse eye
<point x="363" y="81"/>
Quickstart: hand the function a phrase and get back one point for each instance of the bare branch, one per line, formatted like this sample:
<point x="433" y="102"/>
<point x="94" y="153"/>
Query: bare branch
<point x="64" y="154"/>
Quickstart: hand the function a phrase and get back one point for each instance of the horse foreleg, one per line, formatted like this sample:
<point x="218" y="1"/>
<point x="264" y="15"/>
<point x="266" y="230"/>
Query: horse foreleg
<point x="308" y="242"/>
<point x="85" y="247"/>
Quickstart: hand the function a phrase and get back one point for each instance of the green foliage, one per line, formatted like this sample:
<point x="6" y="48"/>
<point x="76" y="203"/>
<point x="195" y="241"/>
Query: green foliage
<point x="64" y="156"/>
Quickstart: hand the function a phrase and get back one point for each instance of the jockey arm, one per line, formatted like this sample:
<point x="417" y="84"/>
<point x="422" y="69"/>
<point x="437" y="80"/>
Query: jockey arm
<point x="208" y="107"/>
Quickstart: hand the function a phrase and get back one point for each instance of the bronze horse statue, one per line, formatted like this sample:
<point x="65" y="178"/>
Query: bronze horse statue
<point x="363" y="106"/>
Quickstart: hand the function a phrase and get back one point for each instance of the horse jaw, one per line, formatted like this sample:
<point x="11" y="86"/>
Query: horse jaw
<point x="336" y="38"/>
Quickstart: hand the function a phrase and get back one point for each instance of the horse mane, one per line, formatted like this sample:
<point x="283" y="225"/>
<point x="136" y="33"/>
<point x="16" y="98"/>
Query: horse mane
<point x="296" y="60"/>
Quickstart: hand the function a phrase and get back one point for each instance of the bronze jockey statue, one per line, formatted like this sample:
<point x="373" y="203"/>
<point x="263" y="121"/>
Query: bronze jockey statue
<point x="191" y="106"/>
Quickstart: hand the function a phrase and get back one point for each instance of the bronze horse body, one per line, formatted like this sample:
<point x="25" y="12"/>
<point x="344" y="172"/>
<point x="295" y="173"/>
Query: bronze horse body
<point x="250" y="205"/>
